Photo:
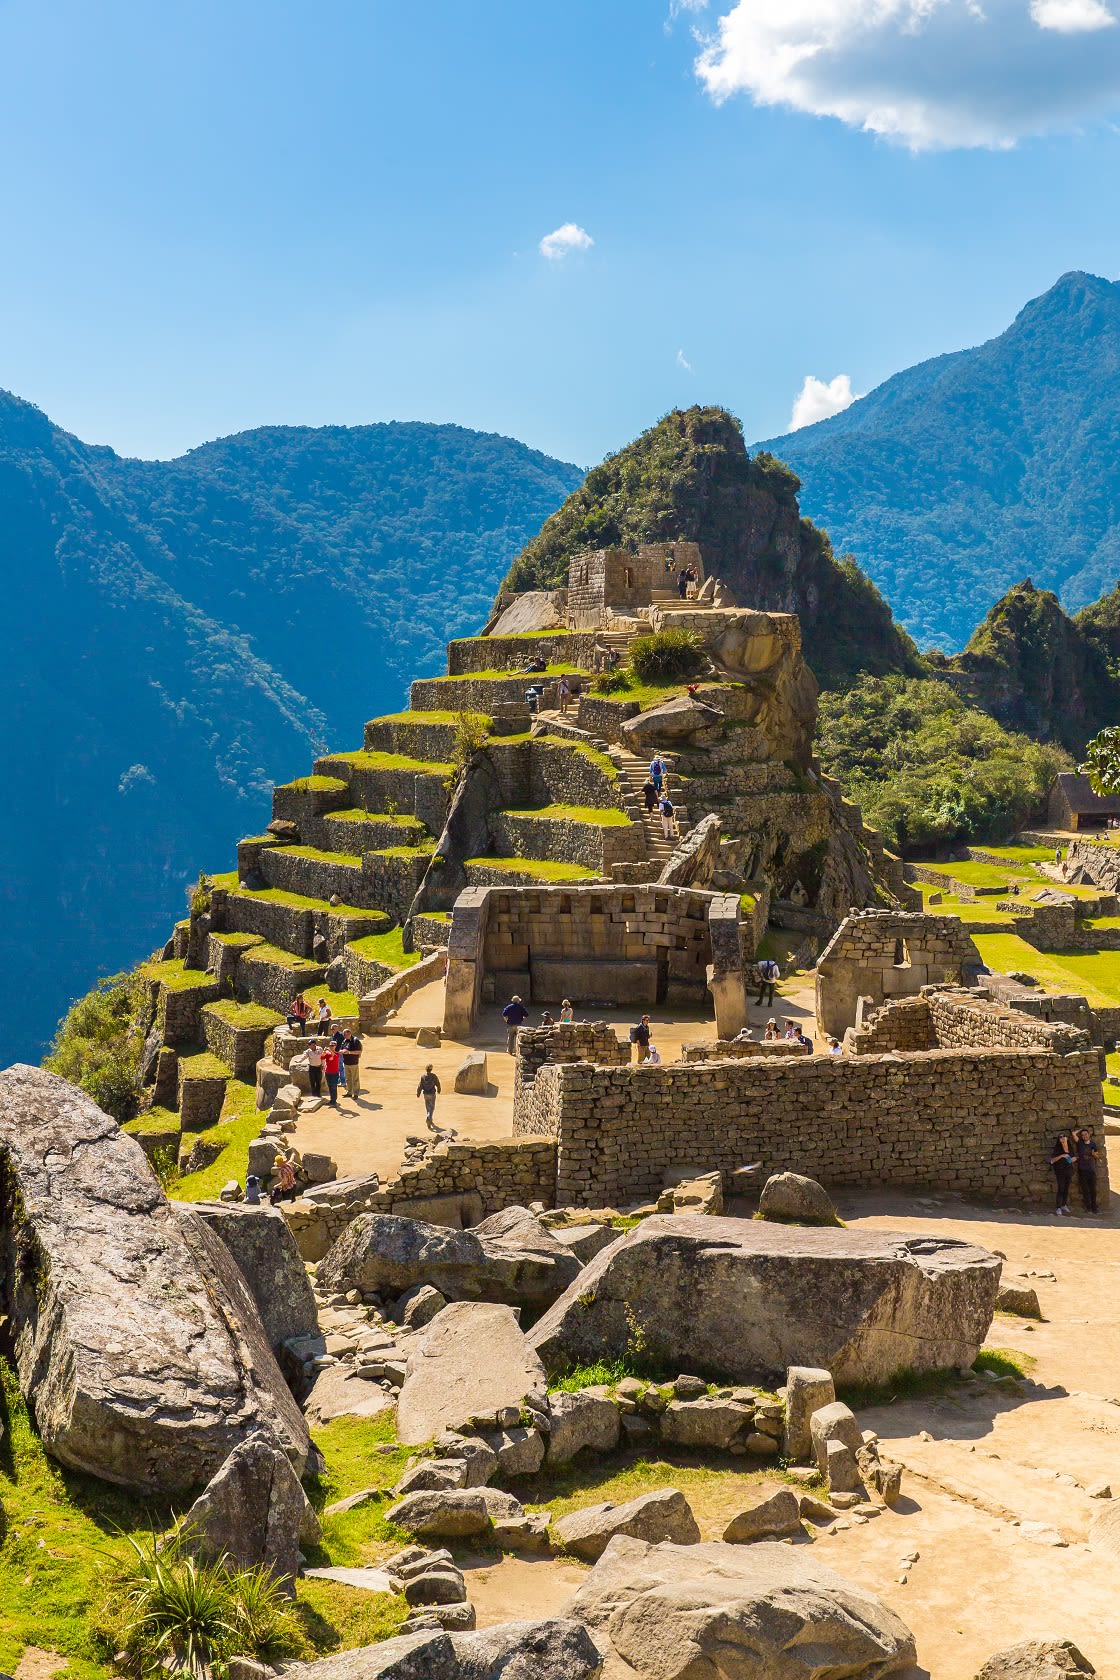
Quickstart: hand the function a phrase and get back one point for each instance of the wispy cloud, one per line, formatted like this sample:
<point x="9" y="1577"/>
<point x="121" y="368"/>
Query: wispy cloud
<point x="923" y="73"/>
<point x="683" y="361"/>
<point x="564" y="239"/>
<point x="817" y="399"/>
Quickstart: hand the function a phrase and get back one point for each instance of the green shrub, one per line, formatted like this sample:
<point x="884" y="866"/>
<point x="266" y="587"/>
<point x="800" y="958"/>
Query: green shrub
<point x="99" y="1043"/>
<point x="198" y="896"/>
<point x="471" y="731"/>
<point x="666" y="654"/>
<point x="614" y="682"/>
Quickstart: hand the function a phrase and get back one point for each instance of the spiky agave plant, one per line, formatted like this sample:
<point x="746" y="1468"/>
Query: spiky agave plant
<point x="175" y="1612"/>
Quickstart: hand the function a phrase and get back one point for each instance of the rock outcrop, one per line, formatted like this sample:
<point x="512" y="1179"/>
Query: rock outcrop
<point x="742" y="1300"/>
<point x="473" y="1360"/>
<point x="264" y="1248"/>
<point x="662" y="1515"/>
<point x="1038" y="1659"/>
<point x="135" y="1337"/>
<point x="679" y="1612"/>
<point x="510" y="1257"/>
<point x="253" y="1512"/>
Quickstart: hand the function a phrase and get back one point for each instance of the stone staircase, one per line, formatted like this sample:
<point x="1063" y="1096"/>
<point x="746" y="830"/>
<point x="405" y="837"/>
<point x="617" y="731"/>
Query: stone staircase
<point x="632" y="773"/>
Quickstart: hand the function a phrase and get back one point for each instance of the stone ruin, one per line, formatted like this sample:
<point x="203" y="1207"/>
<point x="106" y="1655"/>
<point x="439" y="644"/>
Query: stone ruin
<point x="876" y="956"/>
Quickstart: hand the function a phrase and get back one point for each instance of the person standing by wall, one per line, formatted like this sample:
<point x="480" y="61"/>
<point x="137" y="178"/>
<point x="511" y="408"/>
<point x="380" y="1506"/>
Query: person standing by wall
<point x="768" y="976"/>
<point x="330" y="1069"/>
<point x="1086" y="1156"/>
<point x="429" y="1088"/>
<point x="639" y="1038"/>
<point x="315" y="1067"/>
<point x="298" y="1011"/>
<point x="1061" y="1165"/>
<point x="514" y="1015"/>
<point x="352" y="1064"/>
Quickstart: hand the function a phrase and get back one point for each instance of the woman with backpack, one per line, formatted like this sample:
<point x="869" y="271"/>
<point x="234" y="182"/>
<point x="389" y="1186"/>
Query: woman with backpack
<point x="668" y="817"/>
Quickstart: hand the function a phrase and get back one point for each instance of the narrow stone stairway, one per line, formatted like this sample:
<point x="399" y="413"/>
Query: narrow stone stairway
<point x="632" y="773"/>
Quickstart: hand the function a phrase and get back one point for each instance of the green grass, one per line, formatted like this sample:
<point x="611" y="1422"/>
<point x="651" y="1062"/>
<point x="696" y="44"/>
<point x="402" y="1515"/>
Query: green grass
<point x="1020" y="855"/>
<point x="571" y="1487"/>
<point x="175" y="977"/>
<point x="747" y="902"/>
<point x="386" y="948"/>
<point x="355" y="814"/>
<point x="342" y="1003"/>
<point x="229" y="880"/>
<point x="424" y="848"/>
<point x="505" y="676"/>
<point x="600" y="816"/>
<point x="237" y="941"/>
<point x="443" y="718"/>
<point x="243" y="1015"/>
<point x="299" y="901"/>
<point x="154" y="1122"/>
<point x="908" y="1384"/>
<point x="314" y="855"/>
<point x="975" y="874"/>
<point x="1102" y="922"/>
<point x="539" y="871"/>
<point x="1093" y="975"/>
<point x="313" y="784"/>
<point x="965" y="909"/>
<point x="239" y="1124"/>
<point x="363" y="760"/>
<point x="349" y="1446"/>
<point x="1005" y="1362"/>
<point x="203" y="1066"/>
<point x="604" y="1372"/>
<point x="277" y="958"/>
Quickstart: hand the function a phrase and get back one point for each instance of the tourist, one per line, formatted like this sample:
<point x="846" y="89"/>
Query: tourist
<point x="768" y="976"/>
<point x="639" y="1038"/>
<point x="835" y="1048"/>
<point x="330" y="1068"/>
<point x="682" y="583"/>
<point x="298" y="1011"/>
<point x="1087" y="1156"/>
<point x="429" y="1088"/>
<point x="692" y="578"/>
<point x="771" y="1035"/>
<point x="564" y="694"/>
<point x="657" y="772"/>
<point x="1061" y="1162"/>
<point x="612" y="659"/>
<point x="654" y="1055"/>
<point x="314" y="1055"/>
<point x="668" y="817"/>
<point x="649" y="794"/>
<point x="546" y="1019"/>
<point x="567" y="1014"/>
<point x="743" y="1036"/>
<point x="324" y="1018"/>
<point x="514" y="1015"/>
<point x="284" y="1174"/>
<point x="352" y="1064"/>
<point x="252" y="1190"/>
<point x="802" y="1038"/>
<point x="792" y="1028"/>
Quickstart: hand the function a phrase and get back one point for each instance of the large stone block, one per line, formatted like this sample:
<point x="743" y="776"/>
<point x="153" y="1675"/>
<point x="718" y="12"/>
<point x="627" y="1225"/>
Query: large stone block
<point x="135" y="1337"/>
<point x="266" y="1254"/>
<point x="473" y="1360"/>
<point x="742" y="1300"/>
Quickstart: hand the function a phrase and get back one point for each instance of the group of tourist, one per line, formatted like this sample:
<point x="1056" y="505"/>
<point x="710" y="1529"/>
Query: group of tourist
<point x="1075" y="1152"/>
<point x="688" y="579"/>
<point x="332" y="1054"/>
<point x="655" y="793"/>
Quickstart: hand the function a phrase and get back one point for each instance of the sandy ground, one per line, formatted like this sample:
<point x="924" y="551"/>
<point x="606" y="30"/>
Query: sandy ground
<point x="1000" y="1455"/>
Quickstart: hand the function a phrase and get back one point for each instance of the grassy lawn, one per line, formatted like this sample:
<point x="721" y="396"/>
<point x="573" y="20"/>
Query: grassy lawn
<point x="299" y="901"/>
<point x="239" y="1124"/>
<point x="175" y="977"/>
<point x="357" y="815"/>
<point x="504" y="676"/>
<point x="314" y="855"/>
<point x="313" y="784"/>
<point x="386" y="948"/>
<point x="277" y="958"/>
<point x="243" y="1014"/>
<point x="439" y="717"/>
<point x="203" y="1066"/>
<point x="362" y="760"/>
<point x="1094" y="975"/>
<point x="1020" y="855"/>
<point x="540" y="871"/>
<point x="966" y="909"/>
<point x="975" y="874"/>
<point x="601" y="816"/>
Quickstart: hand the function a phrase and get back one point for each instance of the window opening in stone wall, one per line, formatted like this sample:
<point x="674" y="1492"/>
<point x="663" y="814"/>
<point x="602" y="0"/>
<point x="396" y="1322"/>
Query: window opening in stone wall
<point x="628" y="577"/>
<point x="901" y="954"/>
<point x="583" y="573"/>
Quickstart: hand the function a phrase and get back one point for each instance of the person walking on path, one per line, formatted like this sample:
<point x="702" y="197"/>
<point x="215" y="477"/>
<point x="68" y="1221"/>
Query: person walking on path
<point x="429" y="1088"/>
<point x="639" y="1038"/>
<point x="352" y="1064"/>
<point x="514" y="1015"/>
<point x="298" y="1011"/>
<point x="1061" y="1164"/>
<point x="330" y="1068"/>
<point x="768" y="976"/>
<point x="668" y="817"/>
<point x="649" y="794"/>
<point x="1086" y="1155"/>
<point x="315" y="1067"/>
<point x="564" y="694"/>
<point x="657" y="772"/>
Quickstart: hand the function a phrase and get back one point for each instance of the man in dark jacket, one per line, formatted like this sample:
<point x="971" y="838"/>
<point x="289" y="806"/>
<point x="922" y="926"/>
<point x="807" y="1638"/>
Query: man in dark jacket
<point x="514" y="1015"/>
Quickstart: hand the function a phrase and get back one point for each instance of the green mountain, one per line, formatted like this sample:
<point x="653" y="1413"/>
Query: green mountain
<point x="690" y="477"/>
<point x="181" y="634"/>
<point x="957" y="478"/>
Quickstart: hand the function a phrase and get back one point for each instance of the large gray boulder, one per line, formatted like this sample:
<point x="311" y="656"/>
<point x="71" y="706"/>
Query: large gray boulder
<point x="472" y="1361"/>
<point x="580" y="1421"/>
<point x="341" y="1391"/>
<point x="428" y="1655"/>
<point x="725" y="1612"/>
<point x="510" y="1257"/>
<point x="267" y="1257"/>
<point x="135" y="1338"/>
<point x="742" y="1300"/>
<point x="662" y="1515"/>
<point x="553" y="1650"/>
<point x="1038" y="1659"/>
<point x="796" y="1199"/>
<point x="255" y="1512"/>
<point x="454" y="1514"/>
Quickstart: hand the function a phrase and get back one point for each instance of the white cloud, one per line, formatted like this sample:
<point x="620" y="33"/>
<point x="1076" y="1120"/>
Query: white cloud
<point x="924" y="73"/>
<point x="816" y="400"/>
<point x="683" y="361"/>
<point x="569" y="237"/>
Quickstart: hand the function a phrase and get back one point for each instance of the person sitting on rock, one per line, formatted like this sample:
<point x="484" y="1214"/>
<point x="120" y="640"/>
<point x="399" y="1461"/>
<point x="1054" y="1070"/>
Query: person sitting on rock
<point x="792" y="1029"/>
<point x="298" y="1011"/>
<point x="546" y="1018"/>
<point x="771" y="1035"/>
<point x="429" y="1088"/>
<point x="252" y="1190"/>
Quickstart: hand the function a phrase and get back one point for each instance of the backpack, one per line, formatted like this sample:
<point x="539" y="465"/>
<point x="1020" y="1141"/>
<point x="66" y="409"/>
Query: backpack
<point x="633" y="1035"/>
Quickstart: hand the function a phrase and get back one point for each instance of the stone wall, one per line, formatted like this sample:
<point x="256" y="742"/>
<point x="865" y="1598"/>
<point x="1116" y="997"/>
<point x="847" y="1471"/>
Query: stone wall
<point x="424" y="794"/>
<point x="622" y="581"/>
<point x="741" y="1049"/>
<point x="413" y="737"/>
<point x="298" y="803"/>
<point x="599" y="715"/>
<point x="263" y="978"/>
<point x="223" y="953"/>
<point x="375" y="1005"/>
<point x="178" y="1012"/>
<point x="563" y="776"/>
<point x="290" y="926"/>
<point x="884" y="954"/>
<point x="942" y="1019"/>
<point x="562" y="841"/>
<point x="974" y="1123"/>
<point x="240" y="1048"/>
<point x="506" y="653"/>
<point x="317" y="876"/>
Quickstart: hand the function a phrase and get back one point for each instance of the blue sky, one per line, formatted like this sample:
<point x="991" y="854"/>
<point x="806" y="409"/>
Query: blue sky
<point x="223" y="215"/>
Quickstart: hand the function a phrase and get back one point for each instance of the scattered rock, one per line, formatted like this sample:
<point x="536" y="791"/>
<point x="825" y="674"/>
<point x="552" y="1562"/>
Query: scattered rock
<point x="472" y="1360"/>
<point x="802" y="1201"/>
<point x="424" y="1655"/>
<point x="706" y="1423"/>
<point x="1104" y="1531"/>
<point x="340" y="1391"/>
<point x="1099" y="1490"/>
<point x="432" y="1475"/>
<point x="663" y="1515"/>
<point x="418" y="1306"/>
<point x="714" y="1610"/>
<point x="771" y="1520"/>
<point x="585" y="1241"/>
<point x="581" y="1421"/>
<point x="742" y="1299"/>
<point x="551" y="1650"/>
<point x="452" y="1515"/>
<point x="255" y="1511"/>
<point x="519" y="1451"/>
<point x="351" y="1502"/>
<point x="479" y="1461"/>
<point x="807" y="1391"/>
<point x="1044" y="1534"/>
<point x="1037" y="1659"/>
<point x="835" y="1422"/>
<point x="368" y="1580"/>
<point x="1017" y="1299"/>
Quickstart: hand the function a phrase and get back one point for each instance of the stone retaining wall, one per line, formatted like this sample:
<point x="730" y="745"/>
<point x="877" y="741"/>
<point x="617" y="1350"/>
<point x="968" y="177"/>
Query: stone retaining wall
<point x="295" y="803"/>
<point x="261" y="979"/>
<point x="178" y="1013"/>
<point x="200" y="1102"/>
<point x="741" y="1050"/>
<point x="315" y="877"/>
<point x="562" y="775"/>
<point x="391" y="993"/>
<point x="363" y="834"/>
<point x="975" y="1123"/>
<point x="559" y="840"/>
<point x="223" y="956"/>
<point x="240" y="1048"/>
<point x="604" y="715"/>
<point x="391" y="880"/>
<point x="504" y="653"/>
<point x="418" y="793"/>
<point x="413" y="737"/>
<point x="431" y="931"/>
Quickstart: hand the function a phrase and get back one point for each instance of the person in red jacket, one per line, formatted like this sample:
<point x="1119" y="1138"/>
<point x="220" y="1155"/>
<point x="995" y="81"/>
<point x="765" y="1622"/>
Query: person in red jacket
<point x="330" y="1068"/>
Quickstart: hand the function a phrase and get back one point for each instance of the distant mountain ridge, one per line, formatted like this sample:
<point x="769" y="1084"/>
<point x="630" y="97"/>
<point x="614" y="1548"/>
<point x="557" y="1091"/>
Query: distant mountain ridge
<point x="958" y="478"/>
<point x="180" y="634"/>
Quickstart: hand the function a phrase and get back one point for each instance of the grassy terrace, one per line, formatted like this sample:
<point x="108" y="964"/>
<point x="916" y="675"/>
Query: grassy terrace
<point x="600" y="816"/>
<point x="314" y="855"/>
<point x="444" y="717"/>
<point x="386" y="948"/>
<point x="203" y="1066"/>
<point x="297" y="901"/>
<point x="175" y="977"/>
<point x="313" y="784"/>
<point x="988" y="875"/>
<point x="236" y="941"/>
<point x="968" y="909"/>
<point x="355" y="814"/>
<point x="540" y="871"/>
<point x="504" y="676"/>
<point x="1019" y="856"/>
<point x="239" y="1124"/>
<point x="363" y="760"/>
<point x="243" y="1015"/>
<point x="277" y="958"/>
<point x="1094" y="975"/>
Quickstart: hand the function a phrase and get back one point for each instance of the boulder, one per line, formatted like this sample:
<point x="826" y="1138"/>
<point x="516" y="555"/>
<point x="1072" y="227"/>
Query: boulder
<point x="339" y="1391"/>
<point x="133" y="1333"/>
<point x="418" y="1306"/>
<point x="772" y="1519"/>
<point x="519" y="1451"/>
<point x="834" y="1422"/>
<point x="265" y="1251"/>
<point x="585" y="1241"/>
<point x="319" y="1169"/>
<point x="663" y="1515"/>
<point x="672" y="723"/>
<point x="473" y="1360"/>
<point x="1037" y="1659"/>
<point x="454" y="1514"/>
<point x="510" y="1257"/>
<point x="807" y="1390"/>
<point x="472" y="1078"/>
<point x="552" y="1650"/>
<point x="720" y="1611"/>
<point x="802" y="1201"/>
<point x="254" y="1511"/>
<point x="713" y="1424"/>
<point x="578" y="1421"/>
<point x="1019" y="1299"/>
<point x="743" y="1300"/>
<point x="1104" y="1531"/>
<point x="432" y="1475"/>
<point x="479" y="1460"/>
<point x="425" y="1655"/>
